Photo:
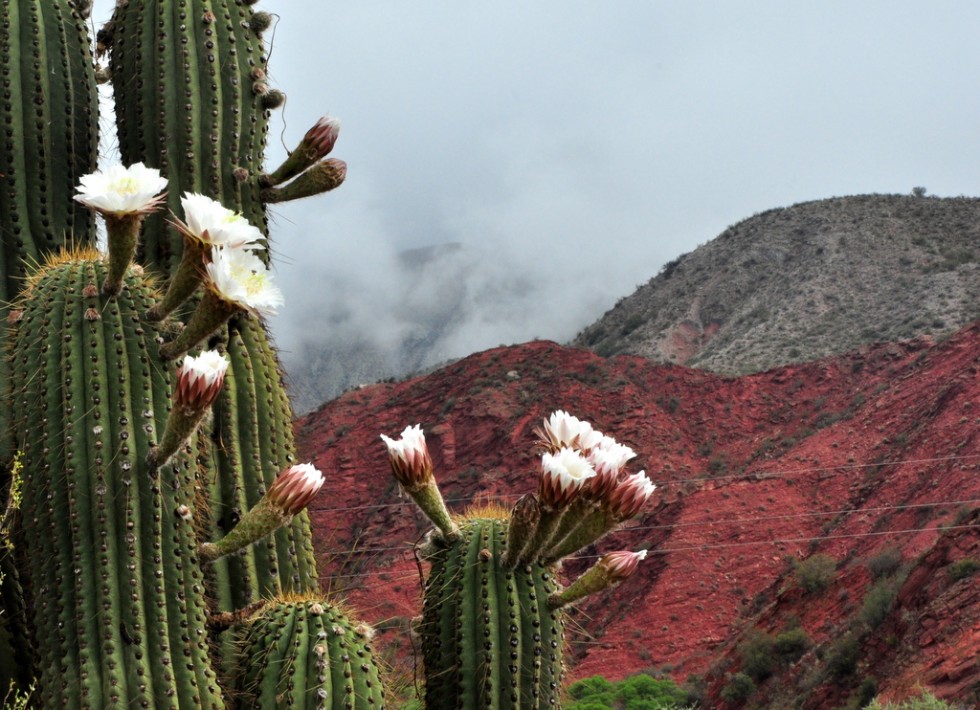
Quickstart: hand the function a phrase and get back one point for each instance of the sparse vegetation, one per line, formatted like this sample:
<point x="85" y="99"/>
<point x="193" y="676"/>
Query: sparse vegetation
<point x="926" y="701"/>
<point x="815" y="573"/>
<point x="638" y="692"/>
<point x="739" y="688"/>
<point x="885" y="562"/>
<point x="878" y="602"/>
<point x="963" y="568"/>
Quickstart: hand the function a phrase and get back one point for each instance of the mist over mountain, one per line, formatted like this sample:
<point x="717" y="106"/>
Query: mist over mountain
<point x="787" y="285"/>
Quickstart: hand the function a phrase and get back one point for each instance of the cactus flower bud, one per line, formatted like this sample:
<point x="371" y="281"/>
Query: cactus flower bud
<point x="411" y="465"/>
<point x="409" y="457"/>
<point x="629" y="495"/>
<point x="316" y="145"/>
<point x="288" y="495"/>
<point x="295" y="487"/>
<point x="199" y="380"/>
<point x="623" y="563"/>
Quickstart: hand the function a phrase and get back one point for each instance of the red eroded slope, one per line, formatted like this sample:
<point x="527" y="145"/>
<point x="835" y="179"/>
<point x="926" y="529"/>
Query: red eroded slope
<point x="845" y="456"/>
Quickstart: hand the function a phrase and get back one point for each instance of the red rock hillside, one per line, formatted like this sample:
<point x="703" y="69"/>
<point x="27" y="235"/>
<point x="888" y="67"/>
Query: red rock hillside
<point x="870" y="458"/>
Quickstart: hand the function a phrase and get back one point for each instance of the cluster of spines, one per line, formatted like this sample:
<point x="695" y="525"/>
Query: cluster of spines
<point x="489" y="637"/>
<point x="119" y="597"/>
<point x="305" y="653"/>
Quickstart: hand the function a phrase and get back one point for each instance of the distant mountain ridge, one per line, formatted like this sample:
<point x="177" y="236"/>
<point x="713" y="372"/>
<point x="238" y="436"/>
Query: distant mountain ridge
<point x="802" y="282"/>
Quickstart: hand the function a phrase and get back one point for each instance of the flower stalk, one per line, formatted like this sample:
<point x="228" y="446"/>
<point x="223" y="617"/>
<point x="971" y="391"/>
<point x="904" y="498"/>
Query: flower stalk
<point x="324" y="176"/>
<point x="288" y="495"/>
<point x="610" y="570"/>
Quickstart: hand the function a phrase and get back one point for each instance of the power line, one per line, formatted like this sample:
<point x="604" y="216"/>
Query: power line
<point x="728" y="545"/>
<point x="730" y="521"/>
<point x="756" y="475"/>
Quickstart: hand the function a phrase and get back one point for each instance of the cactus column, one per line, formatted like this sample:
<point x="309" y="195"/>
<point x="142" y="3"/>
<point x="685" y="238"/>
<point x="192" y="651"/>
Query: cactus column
<point x="117" y="591"/>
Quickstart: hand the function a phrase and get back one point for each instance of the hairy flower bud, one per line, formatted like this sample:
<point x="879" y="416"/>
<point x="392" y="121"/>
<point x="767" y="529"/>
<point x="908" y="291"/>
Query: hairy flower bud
<point x="409" y="457"/>
<point x="623" y="563"/>
<point x="294" y="488"/>
<point x="199" y="380"/>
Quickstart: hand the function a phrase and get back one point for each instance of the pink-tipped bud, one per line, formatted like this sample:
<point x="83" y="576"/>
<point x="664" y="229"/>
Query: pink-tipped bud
<point x="608" y="467"/>
<point x="562" y="476"/>
<point x="629" y="495"/>
<point x="409" y="457"/>
<point x="199" y="380"/>
<point x="295" y="487"/>
<point x="319" y="140"/>
<point x="622" y="564"/>
<point x="562" y="430"/>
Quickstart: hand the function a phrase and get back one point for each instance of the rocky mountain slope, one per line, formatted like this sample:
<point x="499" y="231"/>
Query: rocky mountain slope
<point x="866" y="457"/>
<point x="794" y="284"/>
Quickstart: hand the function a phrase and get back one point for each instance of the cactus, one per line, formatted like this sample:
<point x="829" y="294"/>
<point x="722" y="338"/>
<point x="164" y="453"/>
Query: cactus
<point x="306" y="653"/>
<point x="118" y="597"/>
<point x="489" y="639"/>
<point x="493" y="619"/>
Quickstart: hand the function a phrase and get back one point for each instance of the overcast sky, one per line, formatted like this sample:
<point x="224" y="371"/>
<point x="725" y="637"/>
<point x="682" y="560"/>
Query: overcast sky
<point x="576" y="146"/>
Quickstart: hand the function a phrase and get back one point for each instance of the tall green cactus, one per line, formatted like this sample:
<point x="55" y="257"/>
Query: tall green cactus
<point x="118" y="595"/>
<point x="192" y="100"/>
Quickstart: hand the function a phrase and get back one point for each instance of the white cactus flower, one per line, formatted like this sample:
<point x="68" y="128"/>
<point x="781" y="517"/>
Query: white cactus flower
<point x="562" y="475"/>
<point x="239" y="276"/>
<point x="213" y="224"/>
<point x="121" y="190"/>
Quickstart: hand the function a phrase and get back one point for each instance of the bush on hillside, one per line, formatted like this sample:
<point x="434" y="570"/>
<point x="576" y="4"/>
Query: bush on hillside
<point x="815" y="573"/>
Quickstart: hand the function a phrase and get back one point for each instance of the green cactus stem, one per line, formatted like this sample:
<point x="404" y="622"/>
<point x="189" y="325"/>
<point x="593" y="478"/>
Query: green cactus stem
<point x="117" y="594"/>
<point x="489" y="639"/>
<point x="324" y="176"/>
<point x="306" y="653"/>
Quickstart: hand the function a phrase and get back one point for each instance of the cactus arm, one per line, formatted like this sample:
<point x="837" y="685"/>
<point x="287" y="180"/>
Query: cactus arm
<point x="551" y="639"/>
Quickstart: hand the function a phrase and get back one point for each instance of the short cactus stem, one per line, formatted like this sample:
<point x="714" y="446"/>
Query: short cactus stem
<point x="429" y="500"/>
<point x="608" y="571"/>
<point x="544" y="531"/>
<point x="288" y="495"/>
<point x="316" y="145"/>
<point x="322" y="177"/>
<point x="587" y="527"/>
<point x="189" y="275"/>
<point x="523" y="521"/>
<point x="123" y="231"/>
<point x="212" y="312"/>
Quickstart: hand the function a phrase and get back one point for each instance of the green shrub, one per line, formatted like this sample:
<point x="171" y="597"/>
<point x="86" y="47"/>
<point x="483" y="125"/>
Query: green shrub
<point x="589" y="686"/>
<point x="815" y="573"/>
<point x="926" y="701"/>
<point x="739" y="688"/>
<point x="791" y="644"/>
<point x="842" y="656"/>
<point x="963" y="568"/>
<point x="885" y="562"/>
<point x="878" y="602"/>
<point x="758" y="659"/>
<point x="641" y="691"/>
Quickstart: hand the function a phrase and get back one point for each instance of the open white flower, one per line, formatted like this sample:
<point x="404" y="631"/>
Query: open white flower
<point x="239" y="276"/>
<point x="562" y="474"/>
<point x="211" y="223"/>
<point x="121" y="190"/>
<point x="562" y="429"/>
